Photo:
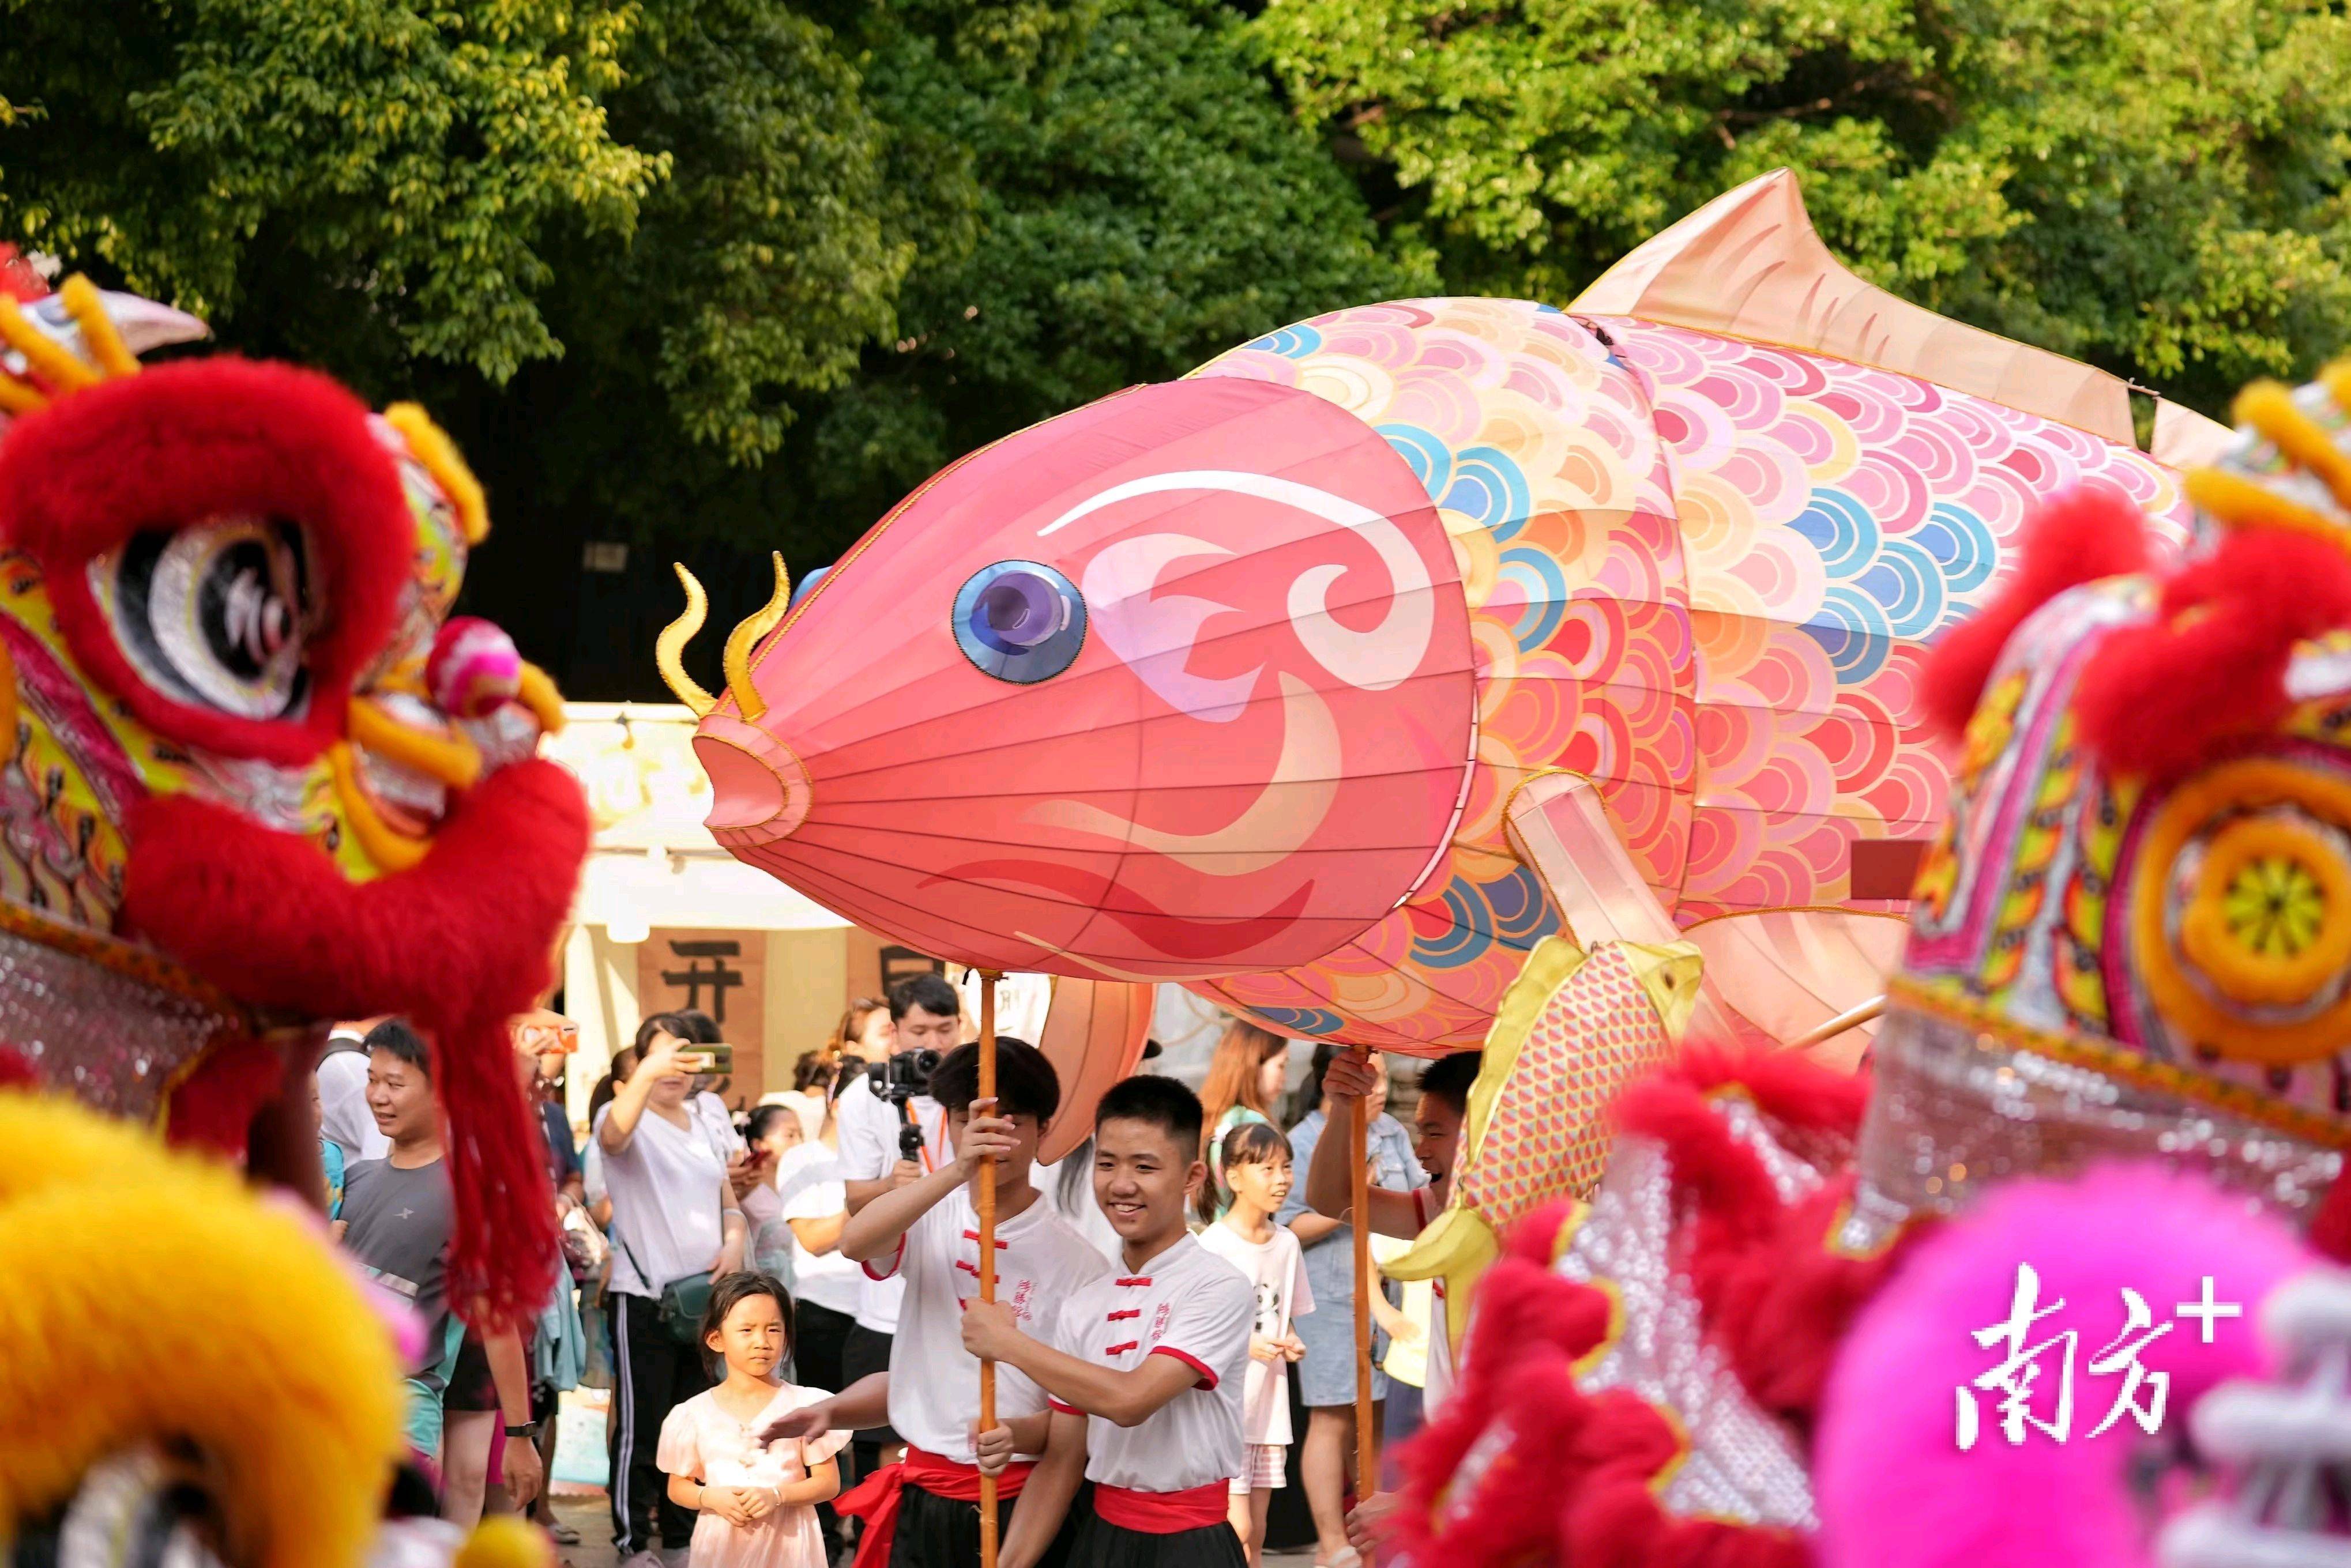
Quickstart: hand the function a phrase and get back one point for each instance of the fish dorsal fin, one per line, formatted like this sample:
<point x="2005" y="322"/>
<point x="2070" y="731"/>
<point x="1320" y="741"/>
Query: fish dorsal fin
<point x="2186" y="439"/>
<point x="1750" y="264"/>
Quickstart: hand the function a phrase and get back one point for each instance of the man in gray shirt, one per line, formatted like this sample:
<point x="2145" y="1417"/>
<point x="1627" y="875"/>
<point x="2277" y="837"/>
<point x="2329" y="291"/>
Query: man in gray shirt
<point x="398" y="1216"/>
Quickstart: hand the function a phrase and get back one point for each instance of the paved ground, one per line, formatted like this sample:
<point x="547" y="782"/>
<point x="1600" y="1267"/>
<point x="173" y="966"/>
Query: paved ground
<point x="592" y="1519"/>
<point x="582" y="1505"/>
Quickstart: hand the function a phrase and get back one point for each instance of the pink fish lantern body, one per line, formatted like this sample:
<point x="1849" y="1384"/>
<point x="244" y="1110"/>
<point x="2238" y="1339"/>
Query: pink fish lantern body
<point x="1231" y="679"/>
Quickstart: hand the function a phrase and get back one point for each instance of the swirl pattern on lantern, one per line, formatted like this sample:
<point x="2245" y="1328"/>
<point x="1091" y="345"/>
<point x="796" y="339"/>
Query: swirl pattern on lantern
<point x="1702" y="573"/>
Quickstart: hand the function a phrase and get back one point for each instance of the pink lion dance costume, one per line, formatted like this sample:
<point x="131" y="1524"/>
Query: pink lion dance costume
<point x="2119" y="1051"/>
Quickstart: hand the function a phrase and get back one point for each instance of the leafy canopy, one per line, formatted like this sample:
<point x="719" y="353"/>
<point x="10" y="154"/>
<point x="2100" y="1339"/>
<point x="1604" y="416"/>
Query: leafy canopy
<point x="740" y="268"/>
<point x="2152" y="185"/>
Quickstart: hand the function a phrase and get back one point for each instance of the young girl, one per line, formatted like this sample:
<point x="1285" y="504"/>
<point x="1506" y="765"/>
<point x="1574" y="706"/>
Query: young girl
<point x="1257" y="1169"/>
<point x="1244" y="1082"/>
<point x="756" y="1499"/>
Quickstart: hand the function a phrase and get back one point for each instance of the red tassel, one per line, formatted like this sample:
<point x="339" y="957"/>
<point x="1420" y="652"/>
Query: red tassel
<point x="458" y="944"/>
<point x="2079" y="537"/>
<point x="502" y="1258"/>
<point x="2154" y="699"/>
<point x="214" y="1108"/>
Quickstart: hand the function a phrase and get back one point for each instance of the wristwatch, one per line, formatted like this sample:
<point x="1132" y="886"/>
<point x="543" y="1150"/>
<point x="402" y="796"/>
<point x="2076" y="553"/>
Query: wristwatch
<point x="528" y="1429"/>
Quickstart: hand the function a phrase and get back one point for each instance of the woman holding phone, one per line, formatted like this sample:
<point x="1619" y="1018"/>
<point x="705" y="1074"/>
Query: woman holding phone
<point x="665" y="1150"/>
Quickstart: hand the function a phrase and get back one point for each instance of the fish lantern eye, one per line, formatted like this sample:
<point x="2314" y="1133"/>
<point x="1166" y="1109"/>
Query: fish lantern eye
<point x="1020" y="621"/>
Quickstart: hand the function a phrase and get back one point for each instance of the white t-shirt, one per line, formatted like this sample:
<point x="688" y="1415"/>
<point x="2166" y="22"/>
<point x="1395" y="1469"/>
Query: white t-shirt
<point x="343" y="1114"/>
<point x="1439" y="1380"/>
<point x="1193" y="1306"/>
<point x="808" y="1181"/>
<point x="665" y="1189"/>
<point x="934" y="1381"/>
<point x="867" y="1127"/>
<point x="1276" y="1268"/>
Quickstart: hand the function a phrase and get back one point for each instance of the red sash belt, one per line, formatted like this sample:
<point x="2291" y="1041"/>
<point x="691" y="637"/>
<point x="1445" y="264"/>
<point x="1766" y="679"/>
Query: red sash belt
<point x="875" y="1498"/>
<point x="1163" y="1512"/>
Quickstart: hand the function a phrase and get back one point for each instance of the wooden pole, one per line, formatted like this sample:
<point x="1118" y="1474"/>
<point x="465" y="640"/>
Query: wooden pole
<point x="1359" y="1133"/>
<point x="1851" y="1018"/>
<point x="987" y="1204"/>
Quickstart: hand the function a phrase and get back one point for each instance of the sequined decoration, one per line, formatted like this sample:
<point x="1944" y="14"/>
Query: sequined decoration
<point x="1741" y="1465"/>
<point x="1954" y="1107"/>
<point x="113" y="1041"/>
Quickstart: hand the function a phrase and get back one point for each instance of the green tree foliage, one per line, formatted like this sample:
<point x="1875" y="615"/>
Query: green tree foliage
<point x="356" y="176"/>
<point x="745" y="268"/>
<point x="1137" y="210"/>
<point x="2152" y="185"/>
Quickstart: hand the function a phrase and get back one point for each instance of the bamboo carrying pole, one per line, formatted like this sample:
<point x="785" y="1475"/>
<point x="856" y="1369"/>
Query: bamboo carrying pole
<point x="1851" y="1018"/>
<point x="987" y="1204"/>
<point x="1359" y="1133"/>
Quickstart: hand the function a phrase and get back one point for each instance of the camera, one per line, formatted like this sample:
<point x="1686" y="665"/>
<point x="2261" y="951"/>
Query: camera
<point x="898" y="1079"/>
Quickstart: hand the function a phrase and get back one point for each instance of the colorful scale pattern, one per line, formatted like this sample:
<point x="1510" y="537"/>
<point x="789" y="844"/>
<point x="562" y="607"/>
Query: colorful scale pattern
<point x="1702" y="572"/>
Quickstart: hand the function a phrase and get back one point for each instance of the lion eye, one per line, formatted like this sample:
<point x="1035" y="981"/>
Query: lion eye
<point x="136" y="1509"/>
<point x="217" y="614"/>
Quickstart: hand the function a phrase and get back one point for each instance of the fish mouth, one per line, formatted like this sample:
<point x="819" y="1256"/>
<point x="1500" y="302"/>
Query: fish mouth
<point x="759" y="790"/>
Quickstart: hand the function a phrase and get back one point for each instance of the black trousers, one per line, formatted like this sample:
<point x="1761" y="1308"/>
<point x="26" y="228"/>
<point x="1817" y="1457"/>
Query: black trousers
<point x="652" y="1375"/>
<point x="1101" y="1545"/>
<point x="937" y="1531"/>
<point x="818" y="1334"/>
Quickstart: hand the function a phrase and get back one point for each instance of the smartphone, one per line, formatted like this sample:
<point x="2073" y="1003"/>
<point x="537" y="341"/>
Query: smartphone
<point x="717" y="1059"/>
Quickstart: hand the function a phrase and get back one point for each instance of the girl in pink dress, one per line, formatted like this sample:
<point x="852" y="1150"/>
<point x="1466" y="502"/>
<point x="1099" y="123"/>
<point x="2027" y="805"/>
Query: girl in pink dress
<point x="756" y="1499"/>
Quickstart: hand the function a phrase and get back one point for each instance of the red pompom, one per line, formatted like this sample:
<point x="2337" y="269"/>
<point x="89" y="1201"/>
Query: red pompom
<point x="2079" y="537"/>
<point x="180" y="444"/>
<point x="2153" y="699"/>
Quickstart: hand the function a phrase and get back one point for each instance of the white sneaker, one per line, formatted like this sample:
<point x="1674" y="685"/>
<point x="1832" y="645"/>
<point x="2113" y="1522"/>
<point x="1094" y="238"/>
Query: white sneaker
<point x="673" y="1556"/>
<point x="646" y="1559"/>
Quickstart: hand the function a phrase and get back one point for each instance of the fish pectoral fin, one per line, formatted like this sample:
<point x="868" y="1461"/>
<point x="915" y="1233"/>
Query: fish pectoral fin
<point x="1562" y="830"/>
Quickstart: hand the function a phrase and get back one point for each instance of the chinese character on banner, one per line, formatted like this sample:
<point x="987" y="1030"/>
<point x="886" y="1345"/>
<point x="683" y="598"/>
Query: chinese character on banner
<point x="721" y="973"/>
<point x="2021" y="1368"/>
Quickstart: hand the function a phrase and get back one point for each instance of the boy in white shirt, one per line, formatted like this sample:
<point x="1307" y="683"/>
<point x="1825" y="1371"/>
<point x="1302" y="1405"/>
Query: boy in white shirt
<point x="928" y="1233"/>
<point x="1147" y="1365"/>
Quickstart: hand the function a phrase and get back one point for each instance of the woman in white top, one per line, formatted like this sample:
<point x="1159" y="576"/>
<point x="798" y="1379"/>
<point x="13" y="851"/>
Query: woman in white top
<point x="664" y="1157"/>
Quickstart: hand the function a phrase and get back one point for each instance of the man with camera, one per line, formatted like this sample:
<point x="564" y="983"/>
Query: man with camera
<point x="890" y="1132"/>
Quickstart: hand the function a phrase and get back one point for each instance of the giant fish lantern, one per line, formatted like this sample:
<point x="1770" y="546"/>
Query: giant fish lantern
<point x="1335" y="676"/>
<point x="252" y="776"/>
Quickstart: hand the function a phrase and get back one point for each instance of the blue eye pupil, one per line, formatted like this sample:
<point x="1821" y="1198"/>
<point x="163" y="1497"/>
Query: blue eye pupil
<point x="1020" y="621"/>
